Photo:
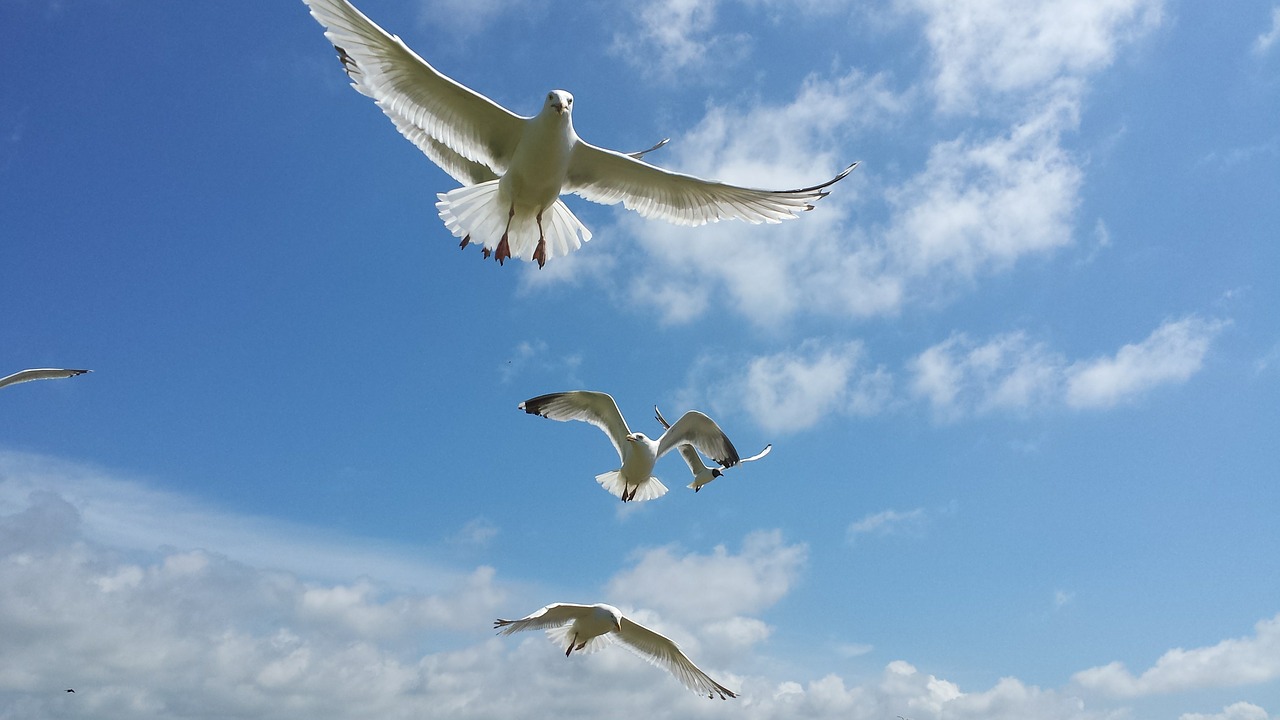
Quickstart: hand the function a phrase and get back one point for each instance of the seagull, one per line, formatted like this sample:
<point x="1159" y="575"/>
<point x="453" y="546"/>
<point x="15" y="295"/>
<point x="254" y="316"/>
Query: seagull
<point x="70" y="690"/>
<point x="39" y="374"/>
<point x="589" y="627"/>
<point x="636" y="450"/>
<point x="513" y="168"/>
<point x="701" y="473"/>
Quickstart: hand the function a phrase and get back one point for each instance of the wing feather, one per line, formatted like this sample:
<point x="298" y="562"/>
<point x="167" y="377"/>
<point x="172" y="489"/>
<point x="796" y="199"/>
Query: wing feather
<point x="550" y="616"/>
<point x="39" y="374"/>
<point x="423" y="103"/>
<point x="596" y="408"/>
<point x="609" y="177"/>
<point x="661" y="651"/>
<point x="695" y="428"/>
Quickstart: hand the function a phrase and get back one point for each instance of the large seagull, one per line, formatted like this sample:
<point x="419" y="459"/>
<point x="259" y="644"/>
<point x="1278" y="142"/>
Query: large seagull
<point x="583" y="627"/>
<point x="514" y="168"/>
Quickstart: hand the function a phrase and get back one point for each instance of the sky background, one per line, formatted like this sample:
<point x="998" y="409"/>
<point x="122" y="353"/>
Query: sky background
<point x="1021" y="369"/>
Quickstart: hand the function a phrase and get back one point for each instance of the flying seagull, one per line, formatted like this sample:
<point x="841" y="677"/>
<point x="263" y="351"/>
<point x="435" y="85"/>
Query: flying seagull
<point x="39" y="374"/>
<point x="701" y="473"/>
<point x="70" y="690"/>
<point x="637" y="451"/>
<point x="514" y="168"/>
<point x="590" y="627"/>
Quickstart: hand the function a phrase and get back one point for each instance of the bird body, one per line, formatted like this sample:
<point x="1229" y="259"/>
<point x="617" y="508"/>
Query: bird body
<point x="39" y="374"/>
<point x="637" y="451"/>
<point x="587" y="628"/>
<point x="514" y="168"/>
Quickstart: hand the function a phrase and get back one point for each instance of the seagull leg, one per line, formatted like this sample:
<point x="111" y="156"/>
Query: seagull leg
<point x="571" y="643"/>
<point x="540" y="254"/>
<point x="504" y="250"/>
<point x="465" y="241"/>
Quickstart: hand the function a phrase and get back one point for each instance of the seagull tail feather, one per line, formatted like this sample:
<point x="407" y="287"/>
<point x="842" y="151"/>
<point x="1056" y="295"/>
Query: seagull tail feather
<point x="612" y="481"/>
<point x="479" y="212"/>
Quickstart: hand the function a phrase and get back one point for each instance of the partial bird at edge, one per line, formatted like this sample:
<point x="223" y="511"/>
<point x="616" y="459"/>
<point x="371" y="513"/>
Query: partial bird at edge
<point x="39" y="374"/>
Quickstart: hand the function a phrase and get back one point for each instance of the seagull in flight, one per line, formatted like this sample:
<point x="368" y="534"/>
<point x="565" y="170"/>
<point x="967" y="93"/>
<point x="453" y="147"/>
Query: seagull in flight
<point x="637" y="451"/>
<point x="513" y="168"/>
<point x="701" y="473"/>
<point x="39" y="374"/>
<point x="590" y="627"/>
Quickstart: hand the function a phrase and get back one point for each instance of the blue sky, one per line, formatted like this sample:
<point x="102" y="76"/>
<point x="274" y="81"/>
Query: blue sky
<point x="1021" y="369"/>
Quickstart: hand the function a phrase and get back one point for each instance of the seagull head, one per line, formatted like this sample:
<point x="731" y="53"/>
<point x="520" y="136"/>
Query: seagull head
<point x="637" y="437"/>
<point x="560" y="101"/>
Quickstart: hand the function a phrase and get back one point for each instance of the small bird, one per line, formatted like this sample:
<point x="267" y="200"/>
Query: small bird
<point x="39" y="374"/>
<point x="514" y="168"/>
<point x="637" y="451"/>
<point x="70" y="690"/>
<point x="701" y="473"/>
<point x="588" y="627"/>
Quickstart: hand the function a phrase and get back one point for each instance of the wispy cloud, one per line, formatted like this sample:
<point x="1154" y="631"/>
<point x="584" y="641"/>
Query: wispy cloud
<point x="1234" y="711"/>
<point x="887" y="522"/>
<point x="1264" y="42"/>
<point x="672" y="35"/>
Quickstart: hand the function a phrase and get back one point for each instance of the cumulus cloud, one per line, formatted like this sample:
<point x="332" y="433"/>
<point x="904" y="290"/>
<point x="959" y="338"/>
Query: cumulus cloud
<point x="983" y="49"/>
<point x="1011" y="372"/>
<point x="1172" y="353"/>
<point x="1235" y="711"/>
<point x="1230" y="663"/>
<point x="726" y="584"/>
<point x="1264" y="42"/>
<point x="671" y="35"/>
<point x="794" y="389"/>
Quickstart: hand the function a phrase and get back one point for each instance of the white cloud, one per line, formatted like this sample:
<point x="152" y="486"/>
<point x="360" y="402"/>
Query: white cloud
<point x="983" y="48"/>
<point x="795" y="389"/>
<point x="672" y="35"/>
<point x="983" y="205"/>
<point x="1171" y="354"/>
<point x="1012" y="373"/>
<point x="1262" y="45"/>
<point x="725" y="584"/>
<point x="887" y="522"/>
<point x="463" y="19"/>
<point x="1230" y="663"/>
<point x="1235" y="711"/>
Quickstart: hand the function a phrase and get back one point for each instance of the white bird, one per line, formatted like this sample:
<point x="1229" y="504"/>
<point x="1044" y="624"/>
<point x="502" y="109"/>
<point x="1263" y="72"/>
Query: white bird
<point x="589" y="627"/>
<point x="637" y="451"/>
<point x="514" y="168"/>
<point x="39" y="374"/>
<point x="701" y="473"/>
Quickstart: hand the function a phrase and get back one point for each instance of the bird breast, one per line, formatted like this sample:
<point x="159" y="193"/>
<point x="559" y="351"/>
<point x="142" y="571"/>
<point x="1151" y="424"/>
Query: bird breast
<point x="540" y="163"/>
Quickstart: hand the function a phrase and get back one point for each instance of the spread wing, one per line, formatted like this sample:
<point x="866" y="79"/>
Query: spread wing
<point x="468" y="135"/>
<point x="551" y="616"/>
<point x="609" y="177"/>
<point x="596" y="408"/>
<point x="39" y="374"/>
<point x="694" y="428"/>
<point x="664" y="653"/>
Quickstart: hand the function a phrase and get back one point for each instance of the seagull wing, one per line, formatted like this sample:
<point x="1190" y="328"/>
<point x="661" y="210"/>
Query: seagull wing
<point x="426" y="106"/>
<point x="596" y="408"/>
<point x="551" y="616"/>
<point x="758" y="455"/>
<point x="39" y="374"/>
<point x="687" y="451"/>
<point x="700" y="431"/>
<point x="609" y="177"/>
<point x="659" y="650"/>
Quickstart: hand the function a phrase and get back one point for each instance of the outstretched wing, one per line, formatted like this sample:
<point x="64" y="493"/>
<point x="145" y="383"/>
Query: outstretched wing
<point x="39" y="374"/>
<point x="687" y="451"/>
<point x="609" y="177"/>
<point x="452" y="124"/>
<point x="596" y="408"/>
<point x="694" y="428"/>
<point x="661" y="651"/>
<point x="551" y="616"/>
